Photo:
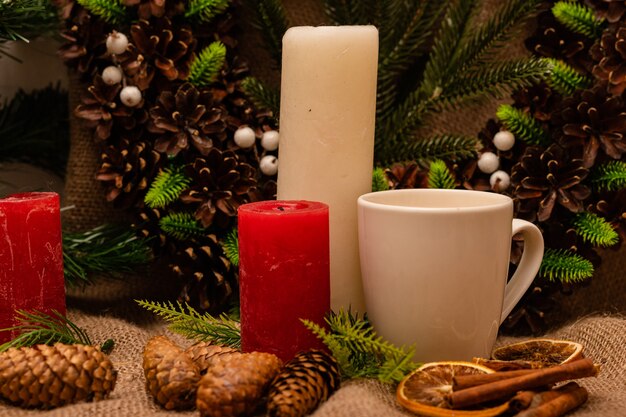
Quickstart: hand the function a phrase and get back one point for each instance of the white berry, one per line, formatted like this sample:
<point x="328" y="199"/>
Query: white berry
<point x="130" y="96"/>
<point x="116" y="43"/>
<point x="112" y="75"/>
<point x="269" y="140"/>
<point x="269" y="165"/>
<point x="500" y="181"/>
<point x="245" y="137"/>
<point x="488" y="162"/>
<point x="504" y="140"/>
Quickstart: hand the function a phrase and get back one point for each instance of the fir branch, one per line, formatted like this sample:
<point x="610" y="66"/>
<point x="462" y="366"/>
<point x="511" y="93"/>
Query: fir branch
<point x="360" y="351"/>
<point x="230" y="246"/>
<point x="21" y="20"/>
<point x="205" y="10"/>
<point x="111" y="11"/>
<point x="271" y="20"/>
<point x="522" y="125"/>
<point x="104" y="250"/>
<point x="610" y="176"/>
<point x="578" y="18"/>
<point x="439" y="176"/>
<point x="262" y="96"/>
<point x="206" y="66"/>
<point x="595" y="230"/>
<point x="379" y="180"/>
<point x="565" y="266"/>
<point x="188" y="322"/>
<point x="38" y="328"/>
<point x="565" y="79"/>
<point x="348" y="12"/>
<point x="446" y="147"/>
<point x="166" y="187"/>
<point x="181" y="226"/>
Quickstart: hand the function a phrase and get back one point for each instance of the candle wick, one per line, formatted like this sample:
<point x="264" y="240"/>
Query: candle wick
<point x="281" y="208"/>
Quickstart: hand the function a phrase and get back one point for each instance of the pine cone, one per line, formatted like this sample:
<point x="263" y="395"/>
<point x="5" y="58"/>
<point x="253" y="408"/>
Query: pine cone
<point x="407" y="175"/>
<point x="591" y="121"/>
<point x="157" y="8"/>
<point x="136" y="69"/>
<point x="189" y="116"/>
<point x="609" y="55"/>
<point x="209" y="280"/>
<point x="147" y="226"/>
<point x="221" y="183"/>
<point x="611" y="10"/>
<point x="538" y="100"/>
<point x="235" y="384"/>
<point x="544" y="178"/>
<point x="612" y="206"/>
<point x="52" y="376"/>
<point x="171" y="376"/>
<point x="203" y="354"/>
<point x="303" y="384"/>
<point x="127" y="170"/>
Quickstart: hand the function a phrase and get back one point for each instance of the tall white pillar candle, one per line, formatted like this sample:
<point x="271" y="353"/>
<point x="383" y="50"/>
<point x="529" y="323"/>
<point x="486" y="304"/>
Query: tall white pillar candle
<point x="327" y="118"/>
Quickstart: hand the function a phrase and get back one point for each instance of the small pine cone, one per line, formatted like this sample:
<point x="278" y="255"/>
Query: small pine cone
<point x="235" y="384"/>
<point x="171" y="376"/>
<point x="304" y="383"/>
<point x="52" y="376"/>
<point x="203" y="354"/>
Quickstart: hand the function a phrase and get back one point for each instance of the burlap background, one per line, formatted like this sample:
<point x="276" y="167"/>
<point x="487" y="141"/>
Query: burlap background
<point x="593" y="316"/>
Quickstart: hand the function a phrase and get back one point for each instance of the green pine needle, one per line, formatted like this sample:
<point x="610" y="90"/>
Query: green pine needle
<point x="610" y="176"/>
<point x="446" y="147"/>
<point x="38" y="328"/>
<point x="595" y="230"/>
<point x="270" y="19"/>
<point x="522" y="125"/>
<point x="439" y="176"/>
<point x="181" y="226"/>
<point x="230" y="245"/>
<point x="206" y="10"/>
<point x="379" y="180"/>
<point x="166" y="188"/>
<point x="263" y="96"/>
<point x="565" y="79"/>
<point x="21" y="20"/>
<point x="578" y="18"/>
<point x="206" y="66"/>
<point x="112" y="11"/>
<point x="188" y="322"/>
<point x="106" y="250"/>
<point x="565" y="266"/>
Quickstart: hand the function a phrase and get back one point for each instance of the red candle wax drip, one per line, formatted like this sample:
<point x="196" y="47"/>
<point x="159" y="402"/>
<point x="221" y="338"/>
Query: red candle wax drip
<point x="284" y="275"/>
<point x="31" y="256"/>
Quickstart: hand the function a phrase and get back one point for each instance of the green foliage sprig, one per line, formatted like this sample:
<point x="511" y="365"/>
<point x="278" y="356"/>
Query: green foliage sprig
<point x="578" y="18"/>
<point x="439" y="176"/>
<point x="188" y="322"/>
<point x="181" y="226"/>
<point x="104" y="250"/>
<point x="565" y="79"/>
<point x="205" y="10"/>
<point x="271" y="20"/>
<point x="448" y="147"/>
<point x="565" y="266"/>
<point x="595" y="229"/>
<point x="166" y="187"/>
<point x="39" y="328"/>
<point x="359" y="351"/>
<point x="610" y="176"/>
<point x="21" y="20"/>
<point x="112" y="11"/>
<point x="262" y="95"/>
<point x="379" y="180"/>
<point x="522" y="125"/>
<point x="230" y="245"/>
<point x="207" y="64"/>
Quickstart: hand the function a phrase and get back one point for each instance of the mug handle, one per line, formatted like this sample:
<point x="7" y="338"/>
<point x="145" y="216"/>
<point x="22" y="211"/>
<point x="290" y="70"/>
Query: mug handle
<point x="528" y="266"/>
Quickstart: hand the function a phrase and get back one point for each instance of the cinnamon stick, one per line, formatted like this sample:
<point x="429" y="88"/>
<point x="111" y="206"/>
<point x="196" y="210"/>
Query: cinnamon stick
<point x="540" y="377"/>
<point x="466" y="381"/>
<point x="529" y="399"/>
<point x="498" y="365"/>
<point x="559" y="405"/>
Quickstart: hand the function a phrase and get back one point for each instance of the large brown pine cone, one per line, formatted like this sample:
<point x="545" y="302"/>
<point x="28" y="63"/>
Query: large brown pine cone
<point x="189" y="116"/>
<point x="609" y="55"/>
<point x="52" y="376"/>
<point x="612" y="10"/>
<point x="204" y="353"/>
<point x="157" y="8"/>
<point x="544" y="178"/>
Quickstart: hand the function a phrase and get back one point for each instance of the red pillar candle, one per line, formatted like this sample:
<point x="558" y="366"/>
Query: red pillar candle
<point x="284" y="274"/>
<point x="31" y="256"/>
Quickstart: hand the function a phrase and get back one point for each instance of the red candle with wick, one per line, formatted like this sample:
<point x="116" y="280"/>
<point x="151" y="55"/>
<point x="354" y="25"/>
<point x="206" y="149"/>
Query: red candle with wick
<point x="31" y="256"/>
<point x="284" y="275"/>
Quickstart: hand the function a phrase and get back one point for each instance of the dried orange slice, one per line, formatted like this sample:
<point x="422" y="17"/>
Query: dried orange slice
<point x="545" y="352"/>
<point x="424" y="390"/>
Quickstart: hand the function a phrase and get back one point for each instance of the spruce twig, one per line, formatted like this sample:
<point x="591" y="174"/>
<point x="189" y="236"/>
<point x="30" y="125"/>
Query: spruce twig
<point x="188" y="322"/>
<point x="263" y="96"/>
<point x="230" y="246"/>
<point x="21" y="20"/>
<point x="111" y="11"/>
<point x="166" y="187"/>
<point x="439" y="176"/>
<point x="522" y="125"/>
<point x="565" y="79"/>
<point x="610" y="176"/>
<point x="207" y="64"/>
<point x="447" y="147"/>
<point x="578" y="18"/>
<point x="379" y="180"/>
<point x="271" y="20"/>
<point x="565" y="266"/>
<point x="595" y="230"/>
<point x="205" y="10"/>
<point x="181" y="226"/>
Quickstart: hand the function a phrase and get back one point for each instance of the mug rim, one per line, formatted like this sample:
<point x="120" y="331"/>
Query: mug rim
<point x="493" y="201"/>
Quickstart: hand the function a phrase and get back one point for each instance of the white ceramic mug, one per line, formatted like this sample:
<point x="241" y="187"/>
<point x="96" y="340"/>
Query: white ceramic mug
<point x="434" y="265"/>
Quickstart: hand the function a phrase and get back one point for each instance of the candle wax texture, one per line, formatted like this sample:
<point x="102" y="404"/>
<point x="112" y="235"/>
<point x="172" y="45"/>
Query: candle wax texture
<point x="31" y="256"/>
<point x="283" y="275"/>
<point x="327" y="120"/>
